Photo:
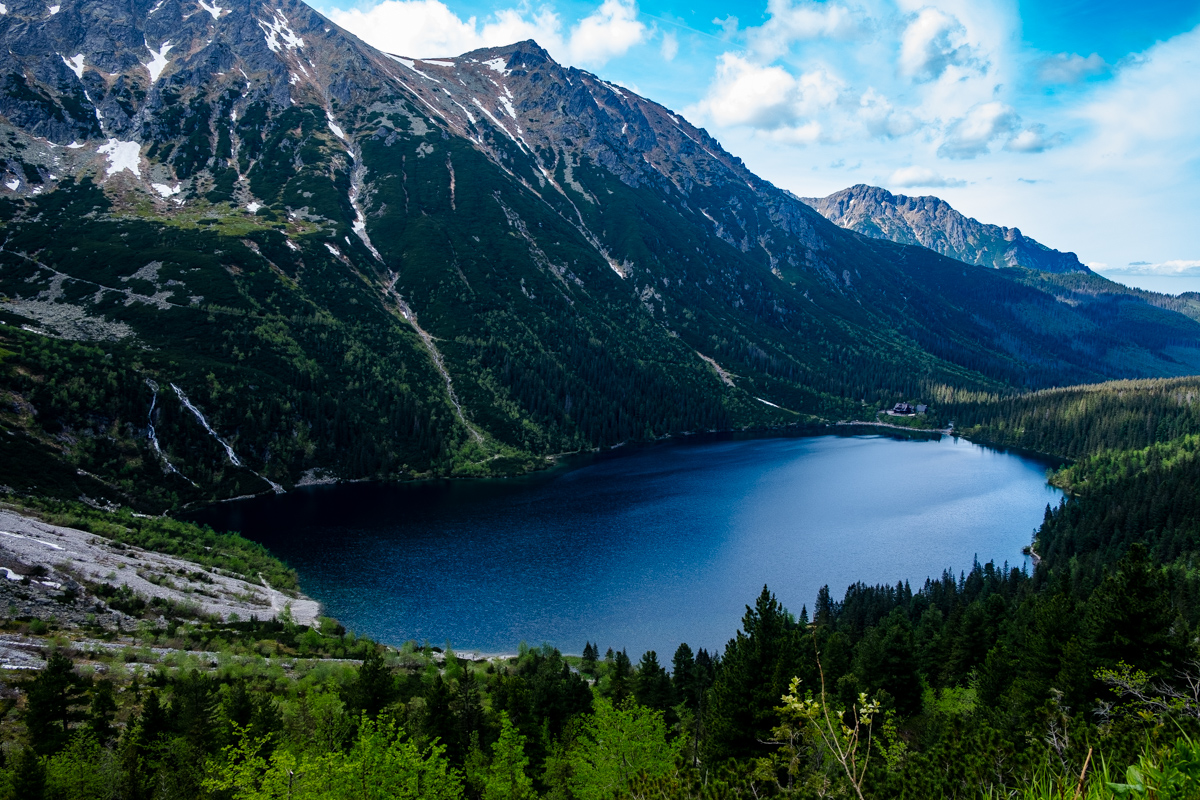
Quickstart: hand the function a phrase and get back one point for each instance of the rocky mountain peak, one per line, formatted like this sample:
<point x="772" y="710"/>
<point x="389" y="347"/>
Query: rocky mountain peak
<point x="550" y="112"/>
<point x="932" y="222"/>
<point x="518" y="55"/>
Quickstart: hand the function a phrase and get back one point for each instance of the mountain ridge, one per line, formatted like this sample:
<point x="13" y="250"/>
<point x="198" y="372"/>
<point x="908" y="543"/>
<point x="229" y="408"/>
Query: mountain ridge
<point x="372" y="266"/>
<point x="931" y="222"/>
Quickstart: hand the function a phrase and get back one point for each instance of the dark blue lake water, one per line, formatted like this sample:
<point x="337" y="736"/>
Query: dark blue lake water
<point x="649" y="548"/>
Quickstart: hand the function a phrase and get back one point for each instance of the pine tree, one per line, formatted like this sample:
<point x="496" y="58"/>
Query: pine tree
<point x="755" y="672"/>
<point x="706" y="667"/>
<point x="153" y="722"/>
<point x="373" y="687"/>
<point x="54" y="700"/>
<point x="619" y="686"/>
<point x="192" y="706"/>
<point x="438" y="717"/>
<point x="652" y="685"/>
<point x="237" y="706"/>
<point x="468" y="714"/>
<point x="101" y="711"/>
<point x="1129" y="619"/>
<point x="824" y="612"/>
<point x="886" y="659"/>
<point x="683" y="677"/>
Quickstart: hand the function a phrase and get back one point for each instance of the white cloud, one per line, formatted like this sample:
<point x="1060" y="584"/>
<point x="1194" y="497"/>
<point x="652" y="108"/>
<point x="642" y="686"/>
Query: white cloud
<point x="1033" y="140"/>
<point x="802" y="134"/>
<point x="428" y="28"/>
<point x="728" y="25"/>
<point x="932" y="42"/>
<point x="607" y="32"/>
<point x="670" y="46"/>
<point x="972" y="135"/>
<point x="884" y="120"/>
<point x="748" y="94"/>
<point x="908" y="177"/>
<point x="1147" y="116"/>
<point x="768" y="97"/>
<point x="1070" y="67"/>
<point x="1180" y="267"/>
<point x="876" y="70"/>
<point x="791" y="22"/>
<point x="1189" y="268"/>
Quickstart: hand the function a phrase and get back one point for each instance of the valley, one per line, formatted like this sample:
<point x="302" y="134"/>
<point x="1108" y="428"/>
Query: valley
<point x="251" y="264"/>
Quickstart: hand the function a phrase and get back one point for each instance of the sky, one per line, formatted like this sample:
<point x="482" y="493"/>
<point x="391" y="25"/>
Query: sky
<point x="1076" y="121"/>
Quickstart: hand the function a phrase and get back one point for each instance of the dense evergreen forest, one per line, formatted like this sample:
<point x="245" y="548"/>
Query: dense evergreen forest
<point x="1077" y="679"/>
<point x="1080" y="421"/>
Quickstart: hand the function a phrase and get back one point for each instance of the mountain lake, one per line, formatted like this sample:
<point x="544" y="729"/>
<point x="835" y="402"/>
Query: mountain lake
<point x="645" y="548"/>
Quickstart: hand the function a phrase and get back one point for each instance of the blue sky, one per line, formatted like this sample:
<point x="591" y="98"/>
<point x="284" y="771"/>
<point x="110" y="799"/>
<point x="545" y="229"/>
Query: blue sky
<point x="1077" y="121"/>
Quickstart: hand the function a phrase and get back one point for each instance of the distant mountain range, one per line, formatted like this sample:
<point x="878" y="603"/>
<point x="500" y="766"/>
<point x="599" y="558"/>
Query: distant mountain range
<point x="931" y="222"/>
<point x="243" y="249"/>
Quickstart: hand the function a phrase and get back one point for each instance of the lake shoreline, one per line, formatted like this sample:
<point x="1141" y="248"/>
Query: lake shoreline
<point x="559" y="462"/>
<point x="696" y="523"/>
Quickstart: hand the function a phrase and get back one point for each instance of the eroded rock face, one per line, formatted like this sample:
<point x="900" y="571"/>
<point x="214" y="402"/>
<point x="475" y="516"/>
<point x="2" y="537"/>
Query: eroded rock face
<point x="931" y="222"/>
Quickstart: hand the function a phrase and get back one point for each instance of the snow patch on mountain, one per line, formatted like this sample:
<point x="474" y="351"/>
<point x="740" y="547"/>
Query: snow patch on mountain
<point x="412" y="65"/>
<point x="333" y="126"/>
<point x="121" y="156"/>
<point x="279" y="34"/>
<point x="214" y="9"/>
<point x="159" y="61"/>
<point x="75" y="65"/>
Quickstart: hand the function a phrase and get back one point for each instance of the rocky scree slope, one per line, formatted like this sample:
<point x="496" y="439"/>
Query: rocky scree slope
<point x="241" y="247"/>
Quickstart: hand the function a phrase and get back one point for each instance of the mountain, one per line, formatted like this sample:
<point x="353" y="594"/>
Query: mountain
<point x="931" y="222"/>
<point x="242" y="250"/>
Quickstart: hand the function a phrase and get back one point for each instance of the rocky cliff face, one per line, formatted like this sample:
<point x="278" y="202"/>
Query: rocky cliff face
<point x="931" y="222"/>
<point x="294" y="254"/>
